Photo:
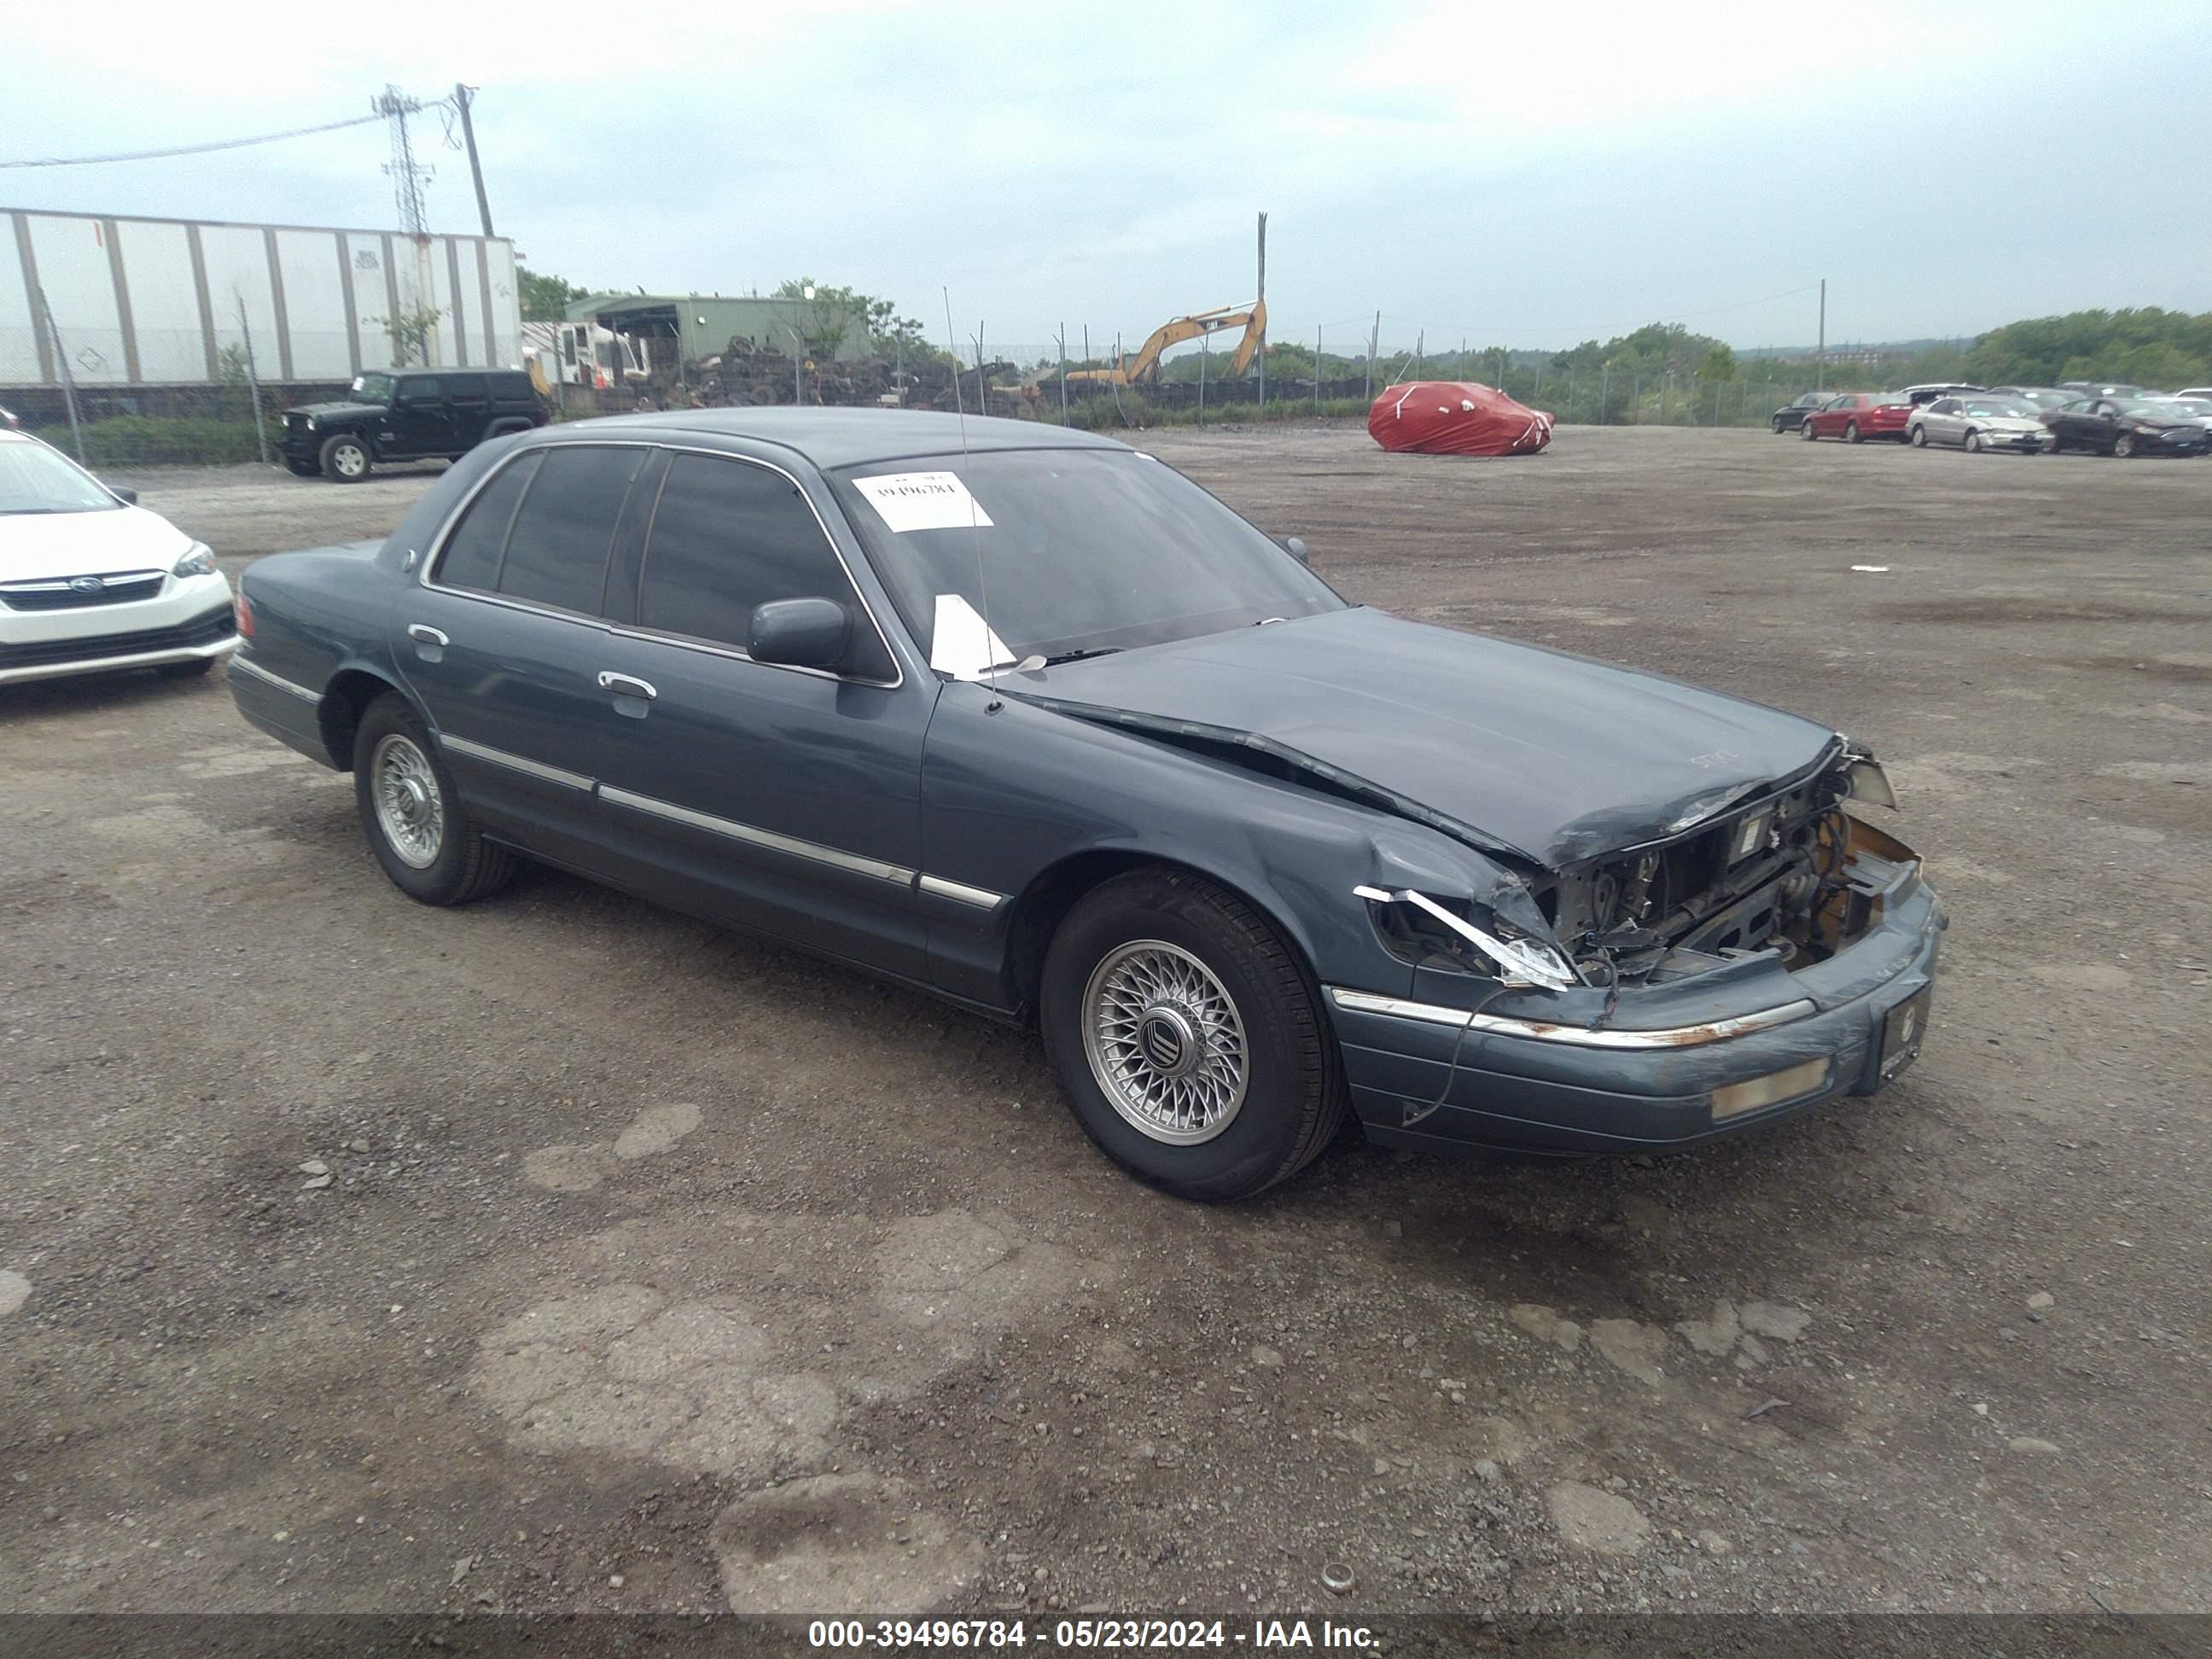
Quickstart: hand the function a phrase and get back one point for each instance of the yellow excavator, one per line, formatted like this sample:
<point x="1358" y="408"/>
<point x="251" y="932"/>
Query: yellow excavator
<point x="1144" y="366"/>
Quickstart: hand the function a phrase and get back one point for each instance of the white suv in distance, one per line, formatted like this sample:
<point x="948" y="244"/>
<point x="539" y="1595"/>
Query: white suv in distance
<point x="90" y="581"/>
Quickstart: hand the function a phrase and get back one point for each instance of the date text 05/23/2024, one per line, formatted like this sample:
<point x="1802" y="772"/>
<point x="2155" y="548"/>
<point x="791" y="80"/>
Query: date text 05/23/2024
<point x="990" y="1635"/>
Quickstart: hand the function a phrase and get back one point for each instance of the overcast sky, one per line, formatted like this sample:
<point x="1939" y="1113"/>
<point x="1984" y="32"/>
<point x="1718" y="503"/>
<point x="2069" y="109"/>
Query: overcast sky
<point x="1530" y="174"/>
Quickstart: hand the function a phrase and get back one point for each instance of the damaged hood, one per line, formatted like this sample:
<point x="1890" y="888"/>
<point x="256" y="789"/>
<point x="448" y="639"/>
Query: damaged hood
<point x="1554" y="757"/>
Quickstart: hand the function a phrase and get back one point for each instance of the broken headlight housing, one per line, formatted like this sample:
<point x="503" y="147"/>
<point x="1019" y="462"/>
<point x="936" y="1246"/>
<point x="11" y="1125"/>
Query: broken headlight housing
<point x="1424" y="931"/>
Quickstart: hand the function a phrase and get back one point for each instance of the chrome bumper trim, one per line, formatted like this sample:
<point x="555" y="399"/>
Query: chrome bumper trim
<point x="245" y="665"/>
<point x="982" y="897"/>
<point x="485" y="751"/>
<point x="1675" y="1036"/>
<point x="752" y="835"/>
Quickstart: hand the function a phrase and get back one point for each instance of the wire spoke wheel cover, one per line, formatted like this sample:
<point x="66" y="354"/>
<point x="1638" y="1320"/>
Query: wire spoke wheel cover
<point x="1165" y="1042"/>
<point x="411" y="810"/>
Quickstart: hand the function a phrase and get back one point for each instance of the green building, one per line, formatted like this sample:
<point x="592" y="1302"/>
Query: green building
<point x="702" y="325"/>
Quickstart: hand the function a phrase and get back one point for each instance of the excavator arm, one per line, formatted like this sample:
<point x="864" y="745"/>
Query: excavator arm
<point x="1145" y="365"/>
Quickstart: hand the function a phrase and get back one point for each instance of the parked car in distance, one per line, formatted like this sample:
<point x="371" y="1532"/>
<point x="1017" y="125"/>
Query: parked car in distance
<point x="1977" y="421"/>
<point x="2038" y="398"/>
<point x="1792" y="415"/>
<point x="408" y="414"/>
<point x="2195" y="391"/>
<point x="1929" y="391"/>
<point x="89" y="580"/>
<point x="2124" y="427"/>
<point x="2197" y="409"/>
<point x="9" y="422"/>
<point x="2096" y="389"/>
<point x="1855" y="416"/>
<point x="1021" y="717"/>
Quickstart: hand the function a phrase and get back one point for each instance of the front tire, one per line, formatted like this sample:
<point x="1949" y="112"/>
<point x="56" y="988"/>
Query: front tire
<point x="1188" y="1036"/>
<point x="1775" y="421"/>
<point x="1919" y="438"/>
<point x="2124" y="445"/>
<point x="1807" y="432"/>
<point x="1974" y="443"/>
<point x="412" y="813"/>
<point x="345" y="459"/>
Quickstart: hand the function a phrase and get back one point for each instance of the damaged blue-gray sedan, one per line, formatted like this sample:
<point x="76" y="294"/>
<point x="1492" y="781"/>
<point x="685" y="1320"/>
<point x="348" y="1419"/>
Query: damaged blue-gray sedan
<point x="1026" y="719"/>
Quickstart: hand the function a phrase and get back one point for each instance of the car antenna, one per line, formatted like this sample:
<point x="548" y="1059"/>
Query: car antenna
<point x="975" y="530"/>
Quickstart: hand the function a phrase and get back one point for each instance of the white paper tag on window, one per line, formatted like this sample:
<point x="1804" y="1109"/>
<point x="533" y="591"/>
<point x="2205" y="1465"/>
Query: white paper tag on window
<point x="960" y="644"/>
<point x="922" y="500"/>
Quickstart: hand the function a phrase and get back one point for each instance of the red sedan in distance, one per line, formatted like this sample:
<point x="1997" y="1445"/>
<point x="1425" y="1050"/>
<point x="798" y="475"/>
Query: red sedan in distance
<point x="1855" y="416"/>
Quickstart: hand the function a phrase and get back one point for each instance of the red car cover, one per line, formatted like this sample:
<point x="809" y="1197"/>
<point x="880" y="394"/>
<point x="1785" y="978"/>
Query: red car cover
<point x="1456" y="417"/>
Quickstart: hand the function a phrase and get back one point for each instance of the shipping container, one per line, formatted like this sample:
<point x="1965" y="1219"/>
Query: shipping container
<point x="176" y="302"/>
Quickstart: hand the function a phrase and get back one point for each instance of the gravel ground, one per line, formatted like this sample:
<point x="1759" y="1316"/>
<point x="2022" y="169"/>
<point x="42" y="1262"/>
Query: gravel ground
<point x="561" y="1252"/>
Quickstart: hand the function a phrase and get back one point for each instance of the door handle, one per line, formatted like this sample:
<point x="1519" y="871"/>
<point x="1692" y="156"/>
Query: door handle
<point x="626" y="685"/>
<point x="423" y="634"/>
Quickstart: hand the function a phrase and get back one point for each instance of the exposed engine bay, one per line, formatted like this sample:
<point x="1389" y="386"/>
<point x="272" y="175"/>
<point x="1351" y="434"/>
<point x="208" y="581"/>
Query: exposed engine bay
<point x="1786" y="869"/>
<point x="1789" y="871"/>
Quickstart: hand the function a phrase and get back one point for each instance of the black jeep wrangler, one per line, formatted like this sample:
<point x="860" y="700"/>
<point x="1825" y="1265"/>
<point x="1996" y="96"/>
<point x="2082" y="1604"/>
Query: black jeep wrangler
<point x="408" y="414"/>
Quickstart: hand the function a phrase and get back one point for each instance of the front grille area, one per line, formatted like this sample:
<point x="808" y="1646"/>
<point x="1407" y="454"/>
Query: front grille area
<point x="116" y="587"/>
<point x="212" y="629"/>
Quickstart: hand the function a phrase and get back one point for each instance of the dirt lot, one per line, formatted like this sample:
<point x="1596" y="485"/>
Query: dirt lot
<point x="659" y="1269"/>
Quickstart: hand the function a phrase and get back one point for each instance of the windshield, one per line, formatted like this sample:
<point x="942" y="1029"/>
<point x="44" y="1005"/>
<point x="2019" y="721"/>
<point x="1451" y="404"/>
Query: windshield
<point x="373" y="388"/>
<point x="2198" y="406"/>
<point x="36" y="479"/>
<point x="2170" y="413"/>
<point x="1988" y="411"/>
<point x="1079" y="551"/>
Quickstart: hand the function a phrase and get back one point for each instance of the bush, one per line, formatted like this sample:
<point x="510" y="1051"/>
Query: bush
<point x="169" y="441"/>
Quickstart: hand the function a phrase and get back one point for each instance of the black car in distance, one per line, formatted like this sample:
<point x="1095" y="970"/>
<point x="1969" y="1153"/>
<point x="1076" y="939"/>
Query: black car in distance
<point x="408" y="414"/>
<point x="1792" y="415"/>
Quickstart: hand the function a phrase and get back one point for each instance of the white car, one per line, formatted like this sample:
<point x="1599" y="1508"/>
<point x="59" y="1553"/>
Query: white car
<point x="89" y="580"/>
<point x="1979" y="421"/>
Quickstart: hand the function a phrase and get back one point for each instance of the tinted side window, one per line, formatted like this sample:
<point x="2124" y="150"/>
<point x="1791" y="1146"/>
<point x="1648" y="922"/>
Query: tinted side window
<point x="420" y="388"/>
<point x="556" y="554"/>
<point x="472" y="551"/>
<point x="728" y="536"/>
<point x="511" y="385"/>
<point x="464" y="388"/>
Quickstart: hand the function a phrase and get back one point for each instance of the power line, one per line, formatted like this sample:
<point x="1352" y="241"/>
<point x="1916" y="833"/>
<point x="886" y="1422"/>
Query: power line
<point x="195" y="149"/>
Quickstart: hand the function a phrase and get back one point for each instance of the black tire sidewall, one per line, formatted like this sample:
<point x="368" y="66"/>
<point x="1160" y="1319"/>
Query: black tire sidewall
<point x="444" y="880"/>
<point x="1264" y="1137"/>
<point x="330" y="471"/>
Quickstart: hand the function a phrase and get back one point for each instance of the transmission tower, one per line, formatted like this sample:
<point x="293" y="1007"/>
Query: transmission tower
<point x="408" y="175"/>
<point x="410" y="329"/>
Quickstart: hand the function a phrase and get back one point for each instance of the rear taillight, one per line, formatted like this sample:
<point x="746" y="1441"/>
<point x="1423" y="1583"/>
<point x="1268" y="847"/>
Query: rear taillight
<point x="242" y="608"/>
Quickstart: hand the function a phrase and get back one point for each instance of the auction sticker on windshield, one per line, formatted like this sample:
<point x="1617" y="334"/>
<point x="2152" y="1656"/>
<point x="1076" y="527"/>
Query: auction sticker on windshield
<point x="922" y="500"/>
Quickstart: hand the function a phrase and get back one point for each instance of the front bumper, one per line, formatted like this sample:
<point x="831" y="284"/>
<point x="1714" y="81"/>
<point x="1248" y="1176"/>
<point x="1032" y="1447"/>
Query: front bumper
<point x="190" y="619"/>
<point x="1529" y="1093"/>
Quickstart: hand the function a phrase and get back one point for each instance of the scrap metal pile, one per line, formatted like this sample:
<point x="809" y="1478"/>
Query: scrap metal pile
<point x="746" y="373"/>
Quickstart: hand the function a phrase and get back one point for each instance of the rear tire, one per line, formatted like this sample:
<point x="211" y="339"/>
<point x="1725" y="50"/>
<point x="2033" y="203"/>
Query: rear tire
<point x="412" y="813"/>
<point x="1188" y="1036"/>
<point x="1850" y="432"/>
<point x="345" y="459"/>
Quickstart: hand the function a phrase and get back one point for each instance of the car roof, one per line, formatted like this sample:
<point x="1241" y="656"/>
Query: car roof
<point x="834" y="438"/>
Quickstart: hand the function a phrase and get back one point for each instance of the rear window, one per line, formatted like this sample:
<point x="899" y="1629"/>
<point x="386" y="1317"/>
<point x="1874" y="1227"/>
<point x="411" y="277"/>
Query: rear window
<point x="556" y="553"/>
<point x="472" y="551"/>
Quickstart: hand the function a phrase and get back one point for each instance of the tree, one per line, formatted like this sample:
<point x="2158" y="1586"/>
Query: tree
<point x="834" y="313"/>
<point x="545" y="299"/>
<point x="1719" y="364"/>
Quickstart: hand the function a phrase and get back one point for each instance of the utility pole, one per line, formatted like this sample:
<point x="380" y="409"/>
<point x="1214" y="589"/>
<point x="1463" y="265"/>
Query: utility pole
<point x="1820" y="358"/>
<point x="1317" y="373"/>
<point x="1374" y="343"/>
<point x="1063" y="373"/>
<point x="252" y="381"/>
<point x="462" y="97"/>
<point x="1261" y="304"/>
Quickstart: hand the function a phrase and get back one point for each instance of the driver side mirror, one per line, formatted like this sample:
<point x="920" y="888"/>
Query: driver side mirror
<point x="800" y="634"/>
<point x="1296" y="547"/>
<point x="128" y="498"/>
